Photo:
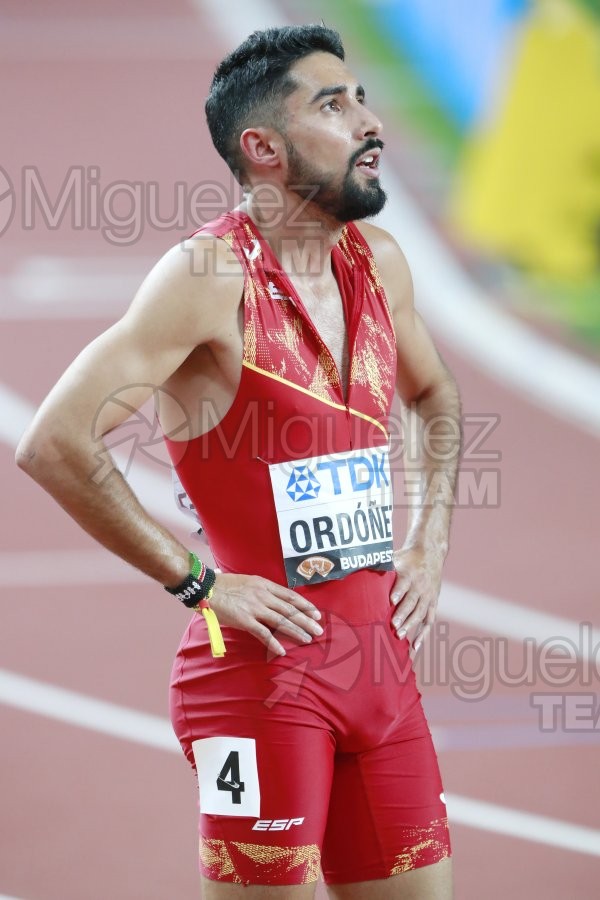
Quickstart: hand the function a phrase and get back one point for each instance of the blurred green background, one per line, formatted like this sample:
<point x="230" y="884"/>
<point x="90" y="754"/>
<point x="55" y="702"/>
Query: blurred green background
<point x="498" y="102"/>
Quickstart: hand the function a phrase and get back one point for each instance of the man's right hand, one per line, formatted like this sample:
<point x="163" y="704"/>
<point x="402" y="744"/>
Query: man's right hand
<point x="263" y="608"/>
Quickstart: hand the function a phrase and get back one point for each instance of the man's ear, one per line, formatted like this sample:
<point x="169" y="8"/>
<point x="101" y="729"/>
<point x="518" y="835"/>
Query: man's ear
<point x="262" y="147"/>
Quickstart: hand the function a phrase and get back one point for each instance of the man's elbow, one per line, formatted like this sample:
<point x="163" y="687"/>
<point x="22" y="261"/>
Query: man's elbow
<point x="35" y="452"/>
<point x="24" y="456"/>
<point x="442" y="390"/>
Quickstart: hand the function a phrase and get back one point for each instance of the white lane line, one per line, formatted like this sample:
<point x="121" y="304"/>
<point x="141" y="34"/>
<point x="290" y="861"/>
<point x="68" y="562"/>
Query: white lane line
<point x="461" y="313"/>
<point x="529" y="827"/>
<point x="458" y="309"/>
<point x="43" y="699"/>
<point x="473" y="609"/>
<point x="6" y="897"/>
<point x="464" y="810"/>
<point x="481" y="612"/>
<point x="153" y="487"/>
<point x="15" y="415"/>
<point x="512" y="620"/>
<point x="458" y="604"/>
<point x="233" y="29"/>
<point x="71" y="288"/>
<point x="82" y="711"/>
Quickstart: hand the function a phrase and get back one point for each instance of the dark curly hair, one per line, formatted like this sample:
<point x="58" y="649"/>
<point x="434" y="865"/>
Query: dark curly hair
<point x="251" y="83"/>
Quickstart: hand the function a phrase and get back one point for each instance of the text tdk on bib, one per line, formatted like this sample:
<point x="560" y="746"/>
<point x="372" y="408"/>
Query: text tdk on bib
<point x="334" y="514"/>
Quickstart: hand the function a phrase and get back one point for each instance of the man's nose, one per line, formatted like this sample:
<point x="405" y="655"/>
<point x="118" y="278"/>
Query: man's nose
<point x="370" y="126"/>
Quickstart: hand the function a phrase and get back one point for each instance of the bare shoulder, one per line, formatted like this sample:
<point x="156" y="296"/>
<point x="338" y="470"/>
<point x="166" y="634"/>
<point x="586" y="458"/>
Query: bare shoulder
<point x="420" y="368"/>
<point x="391" y="263"/>
<point x="193" y="290"/>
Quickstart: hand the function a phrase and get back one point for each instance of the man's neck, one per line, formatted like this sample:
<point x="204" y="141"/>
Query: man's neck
<point x="300" y="234"/>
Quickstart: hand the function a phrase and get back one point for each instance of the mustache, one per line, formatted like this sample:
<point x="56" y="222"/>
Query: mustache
<point x="371" y="144"/>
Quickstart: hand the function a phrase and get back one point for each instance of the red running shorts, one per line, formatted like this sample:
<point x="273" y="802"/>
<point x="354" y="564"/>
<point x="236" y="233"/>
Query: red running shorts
<point x="318" y="760"/>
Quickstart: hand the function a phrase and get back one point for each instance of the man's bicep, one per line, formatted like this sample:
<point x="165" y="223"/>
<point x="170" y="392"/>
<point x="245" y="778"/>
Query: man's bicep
<point x="172" y="313"/>
<point x="114" y="375"/>
<point x="419" y="367"/>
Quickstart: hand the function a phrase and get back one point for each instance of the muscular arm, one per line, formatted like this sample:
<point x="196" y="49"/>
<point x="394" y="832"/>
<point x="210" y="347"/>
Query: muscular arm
<point x="432" y="429"/>
<point x="432" y="426"/>
<point x="176" y="310"/>
<point x="173" y="312"/>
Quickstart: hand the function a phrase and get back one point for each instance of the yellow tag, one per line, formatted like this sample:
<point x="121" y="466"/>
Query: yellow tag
<point x="217" y="644"/>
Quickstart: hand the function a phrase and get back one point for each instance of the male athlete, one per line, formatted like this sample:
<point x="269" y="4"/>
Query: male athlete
<point x="282" y="329"/>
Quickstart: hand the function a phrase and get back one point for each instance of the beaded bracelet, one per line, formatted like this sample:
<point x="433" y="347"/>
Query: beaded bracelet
<point x="197" y="586"/>
<point x="195" y="592"/>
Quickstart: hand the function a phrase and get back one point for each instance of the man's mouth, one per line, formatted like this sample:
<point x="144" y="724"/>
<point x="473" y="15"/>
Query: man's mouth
<point x="369" y="162"/>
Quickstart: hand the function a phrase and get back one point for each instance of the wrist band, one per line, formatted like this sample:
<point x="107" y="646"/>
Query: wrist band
<point x="196" y="586"/>
<point x="194" y="592"/>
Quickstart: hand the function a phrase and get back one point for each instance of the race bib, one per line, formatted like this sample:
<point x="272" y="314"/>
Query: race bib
<point x="227" y="776"/>
<point x="334" y="514"/>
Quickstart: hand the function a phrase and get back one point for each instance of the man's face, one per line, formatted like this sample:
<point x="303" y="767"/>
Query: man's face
<point x="333" y="140"/>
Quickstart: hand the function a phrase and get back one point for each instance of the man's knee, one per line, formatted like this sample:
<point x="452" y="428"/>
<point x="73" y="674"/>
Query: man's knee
<point x="433" y="882"/>
<point x="219" y="890"/>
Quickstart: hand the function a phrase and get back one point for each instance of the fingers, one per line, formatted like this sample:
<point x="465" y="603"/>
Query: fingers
<point x="288" y="611"/>
<point x="299" y="602"/>
<point x="280" y="618"/>
<point x="424" y="630"/>
<point x="401" y="586"/>
<point x="285" y="618"/>
<point x="262" y="607"/>
<point x="417" y="614"/>
<point x="421" y="636"/>
<point x="267" y="638"/>
<point x="415" y="611"/>
<point x="405" y="611"/>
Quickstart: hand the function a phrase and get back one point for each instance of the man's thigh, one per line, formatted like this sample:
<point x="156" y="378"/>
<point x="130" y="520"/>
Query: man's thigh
<point x="264" y="804"/>
<point x="387" y="813"/>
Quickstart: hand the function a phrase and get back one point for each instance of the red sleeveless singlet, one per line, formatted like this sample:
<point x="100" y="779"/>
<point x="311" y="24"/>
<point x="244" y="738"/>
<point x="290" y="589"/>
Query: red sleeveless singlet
<point x="290" y="405"/>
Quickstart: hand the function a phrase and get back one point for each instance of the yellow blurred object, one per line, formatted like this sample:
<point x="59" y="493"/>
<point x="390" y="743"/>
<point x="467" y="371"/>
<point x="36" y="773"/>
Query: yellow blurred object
<point x="529" y="185"/>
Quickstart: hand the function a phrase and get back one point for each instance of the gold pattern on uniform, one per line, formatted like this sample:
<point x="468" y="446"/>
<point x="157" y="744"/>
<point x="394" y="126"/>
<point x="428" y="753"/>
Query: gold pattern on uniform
<point x="252" y="332"/>
<point x="325" y="376"/>
<point x="371" y="363"/>
<point x="290" y="339"/>
<point x="250" y="298"/>
<point x="289" y="336"/>
<point x="343" y="246"/>
<point x="216" y="860"/>
<point x="374" y="273"/>
<point x="229" y="238"/>
<point x="349" y="244"/>
<point x="276" y="340"/>
<point x="250" y="341"/>
<point x="284" y="859"/>
<point x="429" y="839"/>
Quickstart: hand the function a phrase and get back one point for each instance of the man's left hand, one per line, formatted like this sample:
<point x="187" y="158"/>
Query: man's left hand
<point x="416" y="591"/>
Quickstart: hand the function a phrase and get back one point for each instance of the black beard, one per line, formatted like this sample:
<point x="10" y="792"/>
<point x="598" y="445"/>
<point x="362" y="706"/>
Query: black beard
<point x="344" y="204"/>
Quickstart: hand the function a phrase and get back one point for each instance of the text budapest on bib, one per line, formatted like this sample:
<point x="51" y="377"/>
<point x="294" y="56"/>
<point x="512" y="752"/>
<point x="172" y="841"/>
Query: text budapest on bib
<point x="334" y="514"/>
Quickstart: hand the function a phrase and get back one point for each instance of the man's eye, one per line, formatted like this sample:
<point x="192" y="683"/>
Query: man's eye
<point x="332" y="104"/>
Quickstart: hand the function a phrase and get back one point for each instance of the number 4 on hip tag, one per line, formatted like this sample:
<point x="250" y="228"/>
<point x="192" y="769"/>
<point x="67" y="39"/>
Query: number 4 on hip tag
<point x="227" y="776"/>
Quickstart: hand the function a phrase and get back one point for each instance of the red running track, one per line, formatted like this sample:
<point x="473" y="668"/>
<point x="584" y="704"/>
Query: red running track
<point x="86" y="815"/>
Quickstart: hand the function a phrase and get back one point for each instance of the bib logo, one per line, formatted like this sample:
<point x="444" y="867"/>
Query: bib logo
<point x="302" y="484"/>
<point x="334" y="514"/>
